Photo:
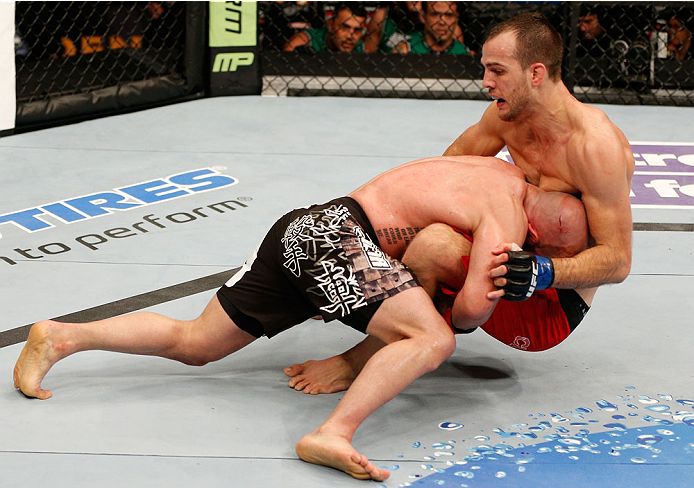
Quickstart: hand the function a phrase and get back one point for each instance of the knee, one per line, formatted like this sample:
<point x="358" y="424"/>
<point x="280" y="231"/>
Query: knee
<point x="445" y="344"/>
<point x="439" y="347"/>
<point x="190" y="349"/>
<point x="193" y="360"/>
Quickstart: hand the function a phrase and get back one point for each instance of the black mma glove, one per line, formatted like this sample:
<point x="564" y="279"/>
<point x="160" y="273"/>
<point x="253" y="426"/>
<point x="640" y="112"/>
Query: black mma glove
<point x="526" y="273"/>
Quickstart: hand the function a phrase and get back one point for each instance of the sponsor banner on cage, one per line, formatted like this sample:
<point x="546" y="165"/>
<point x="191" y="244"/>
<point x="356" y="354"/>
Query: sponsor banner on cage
<point x="233" y="43"/>
<point x="8" y="38"/>
<point x="663" y="174"/>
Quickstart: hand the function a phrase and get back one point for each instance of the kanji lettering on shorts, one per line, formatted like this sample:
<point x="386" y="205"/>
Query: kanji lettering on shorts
<point x="335" y="216"/>
<point x="341" y="288"/>
<point x="297" y="233"/>
<point x="306" y="234"/>
<point x="329" y="224"/>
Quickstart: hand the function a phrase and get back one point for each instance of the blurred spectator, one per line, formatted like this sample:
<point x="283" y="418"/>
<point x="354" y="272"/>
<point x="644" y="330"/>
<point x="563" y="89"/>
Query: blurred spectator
<point x="593" y="41"/>
<point x="20" y="47"/>
<point x="385" y="27"/>
<point x="343" y="32"/>
<point x="679" y="38"/>
<point x="590" y="26"/>
<point x="279" y="21"/>
<point x="441" y="32"/>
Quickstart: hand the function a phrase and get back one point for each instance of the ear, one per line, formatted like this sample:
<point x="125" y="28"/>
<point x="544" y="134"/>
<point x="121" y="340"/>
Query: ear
<point x="538" y="73"/>
<point x="532" y="238"/>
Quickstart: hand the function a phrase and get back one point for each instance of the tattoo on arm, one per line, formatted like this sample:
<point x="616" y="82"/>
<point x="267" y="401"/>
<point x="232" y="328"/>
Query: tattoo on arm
<point x="396" y="235"/>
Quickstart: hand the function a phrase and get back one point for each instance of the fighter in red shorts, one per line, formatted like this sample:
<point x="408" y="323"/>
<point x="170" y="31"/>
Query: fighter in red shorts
<point x="536" y="324"/>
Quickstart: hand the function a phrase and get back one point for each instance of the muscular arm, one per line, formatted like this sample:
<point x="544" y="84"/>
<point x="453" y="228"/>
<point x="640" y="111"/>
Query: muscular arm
<point x="604" y="180"/>
<point x="472" y="307"/>
<point x="482" y="139"/>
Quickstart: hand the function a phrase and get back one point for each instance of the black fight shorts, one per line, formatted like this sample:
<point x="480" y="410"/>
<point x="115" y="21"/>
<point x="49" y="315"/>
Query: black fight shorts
<point x="324" y="260"/>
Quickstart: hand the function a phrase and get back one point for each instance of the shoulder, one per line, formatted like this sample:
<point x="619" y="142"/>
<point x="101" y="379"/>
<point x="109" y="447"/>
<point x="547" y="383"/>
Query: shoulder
<point x="596" y="136"/>
<point x="594" y="124"/>
<point x="514" y="180"/>
<point x="598" y="150"/>
<point x="499" y="181"/>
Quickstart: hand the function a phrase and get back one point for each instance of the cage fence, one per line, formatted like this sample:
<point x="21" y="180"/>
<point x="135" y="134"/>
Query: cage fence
<point x="614" y="52"/>
<point x="75" y="60"/>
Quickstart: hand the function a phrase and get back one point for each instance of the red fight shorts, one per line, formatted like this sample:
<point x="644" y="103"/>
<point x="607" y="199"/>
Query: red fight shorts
<point x="536" y="324"/>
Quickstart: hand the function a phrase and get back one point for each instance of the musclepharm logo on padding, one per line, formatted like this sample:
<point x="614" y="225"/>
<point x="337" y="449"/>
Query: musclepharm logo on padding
<point x="230" y="62"/>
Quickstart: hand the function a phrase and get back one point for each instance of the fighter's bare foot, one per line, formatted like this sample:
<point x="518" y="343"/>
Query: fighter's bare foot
<point x="40" y="353"/>
<point x="336" y="452"/>
<point x="325" y="376"/>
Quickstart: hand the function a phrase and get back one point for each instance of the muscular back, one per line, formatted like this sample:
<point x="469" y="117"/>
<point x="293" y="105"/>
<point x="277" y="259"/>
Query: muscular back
<point x="464" y="192"/>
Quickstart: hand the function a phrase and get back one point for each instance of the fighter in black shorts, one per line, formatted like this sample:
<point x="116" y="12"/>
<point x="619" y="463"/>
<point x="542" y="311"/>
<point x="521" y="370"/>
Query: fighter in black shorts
<point x="327" y="259"/>
<point x="324" y="260"/>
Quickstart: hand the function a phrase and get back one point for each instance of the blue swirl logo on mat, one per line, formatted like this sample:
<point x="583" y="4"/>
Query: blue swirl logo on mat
<point x="638" y="440"/>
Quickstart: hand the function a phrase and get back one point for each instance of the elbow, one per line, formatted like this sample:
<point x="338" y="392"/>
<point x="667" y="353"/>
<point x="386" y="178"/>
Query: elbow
<point x="622" y="271"/>
<point x="623" y="268"/>
<point x="471" y="318"/>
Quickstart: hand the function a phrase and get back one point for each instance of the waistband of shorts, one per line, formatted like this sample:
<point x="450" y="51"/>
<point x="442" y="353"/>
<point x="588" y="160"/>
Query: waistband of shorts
<point x="359" y="216"/>
<point x="573" y="305"/>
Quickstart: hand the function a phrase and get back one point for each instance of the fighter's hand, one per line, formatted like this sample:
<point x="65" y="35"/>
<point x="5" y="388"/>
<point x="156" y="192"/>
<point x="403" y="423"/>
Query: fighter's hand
<point x="498" y="268"/>
<point x="518" y="274"/>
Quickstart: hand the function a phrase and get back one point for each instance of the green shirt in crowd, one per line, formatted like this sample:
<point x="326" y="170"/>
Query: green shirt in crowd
<point x="418" y="45"/>
<point x="318" y="40"/>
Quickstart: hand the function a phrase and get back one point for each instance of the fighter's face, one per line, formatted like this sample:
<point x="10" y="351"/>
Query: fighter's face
<point x="346" y="30"/>
<point x="508" y="83"/>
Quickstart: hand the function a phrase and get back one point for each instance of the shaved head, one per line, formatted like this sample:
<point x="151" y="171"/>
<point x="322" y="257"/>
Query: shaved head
<point x="560" y="222"/>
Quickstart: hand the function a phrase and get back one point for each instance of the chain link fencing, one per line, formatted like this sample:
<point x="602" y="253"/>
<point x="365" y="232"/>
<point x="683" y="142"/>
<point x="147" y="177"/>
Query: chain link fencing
<point x="77" y="58"/>
<point x="615" y="52"/>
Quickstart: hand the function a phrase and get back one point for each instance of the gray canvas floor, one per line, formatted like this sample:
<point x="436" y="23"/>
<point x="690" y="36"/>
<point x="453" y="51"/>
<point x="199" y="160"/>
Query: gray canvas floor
<point x="118" y="420"/>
